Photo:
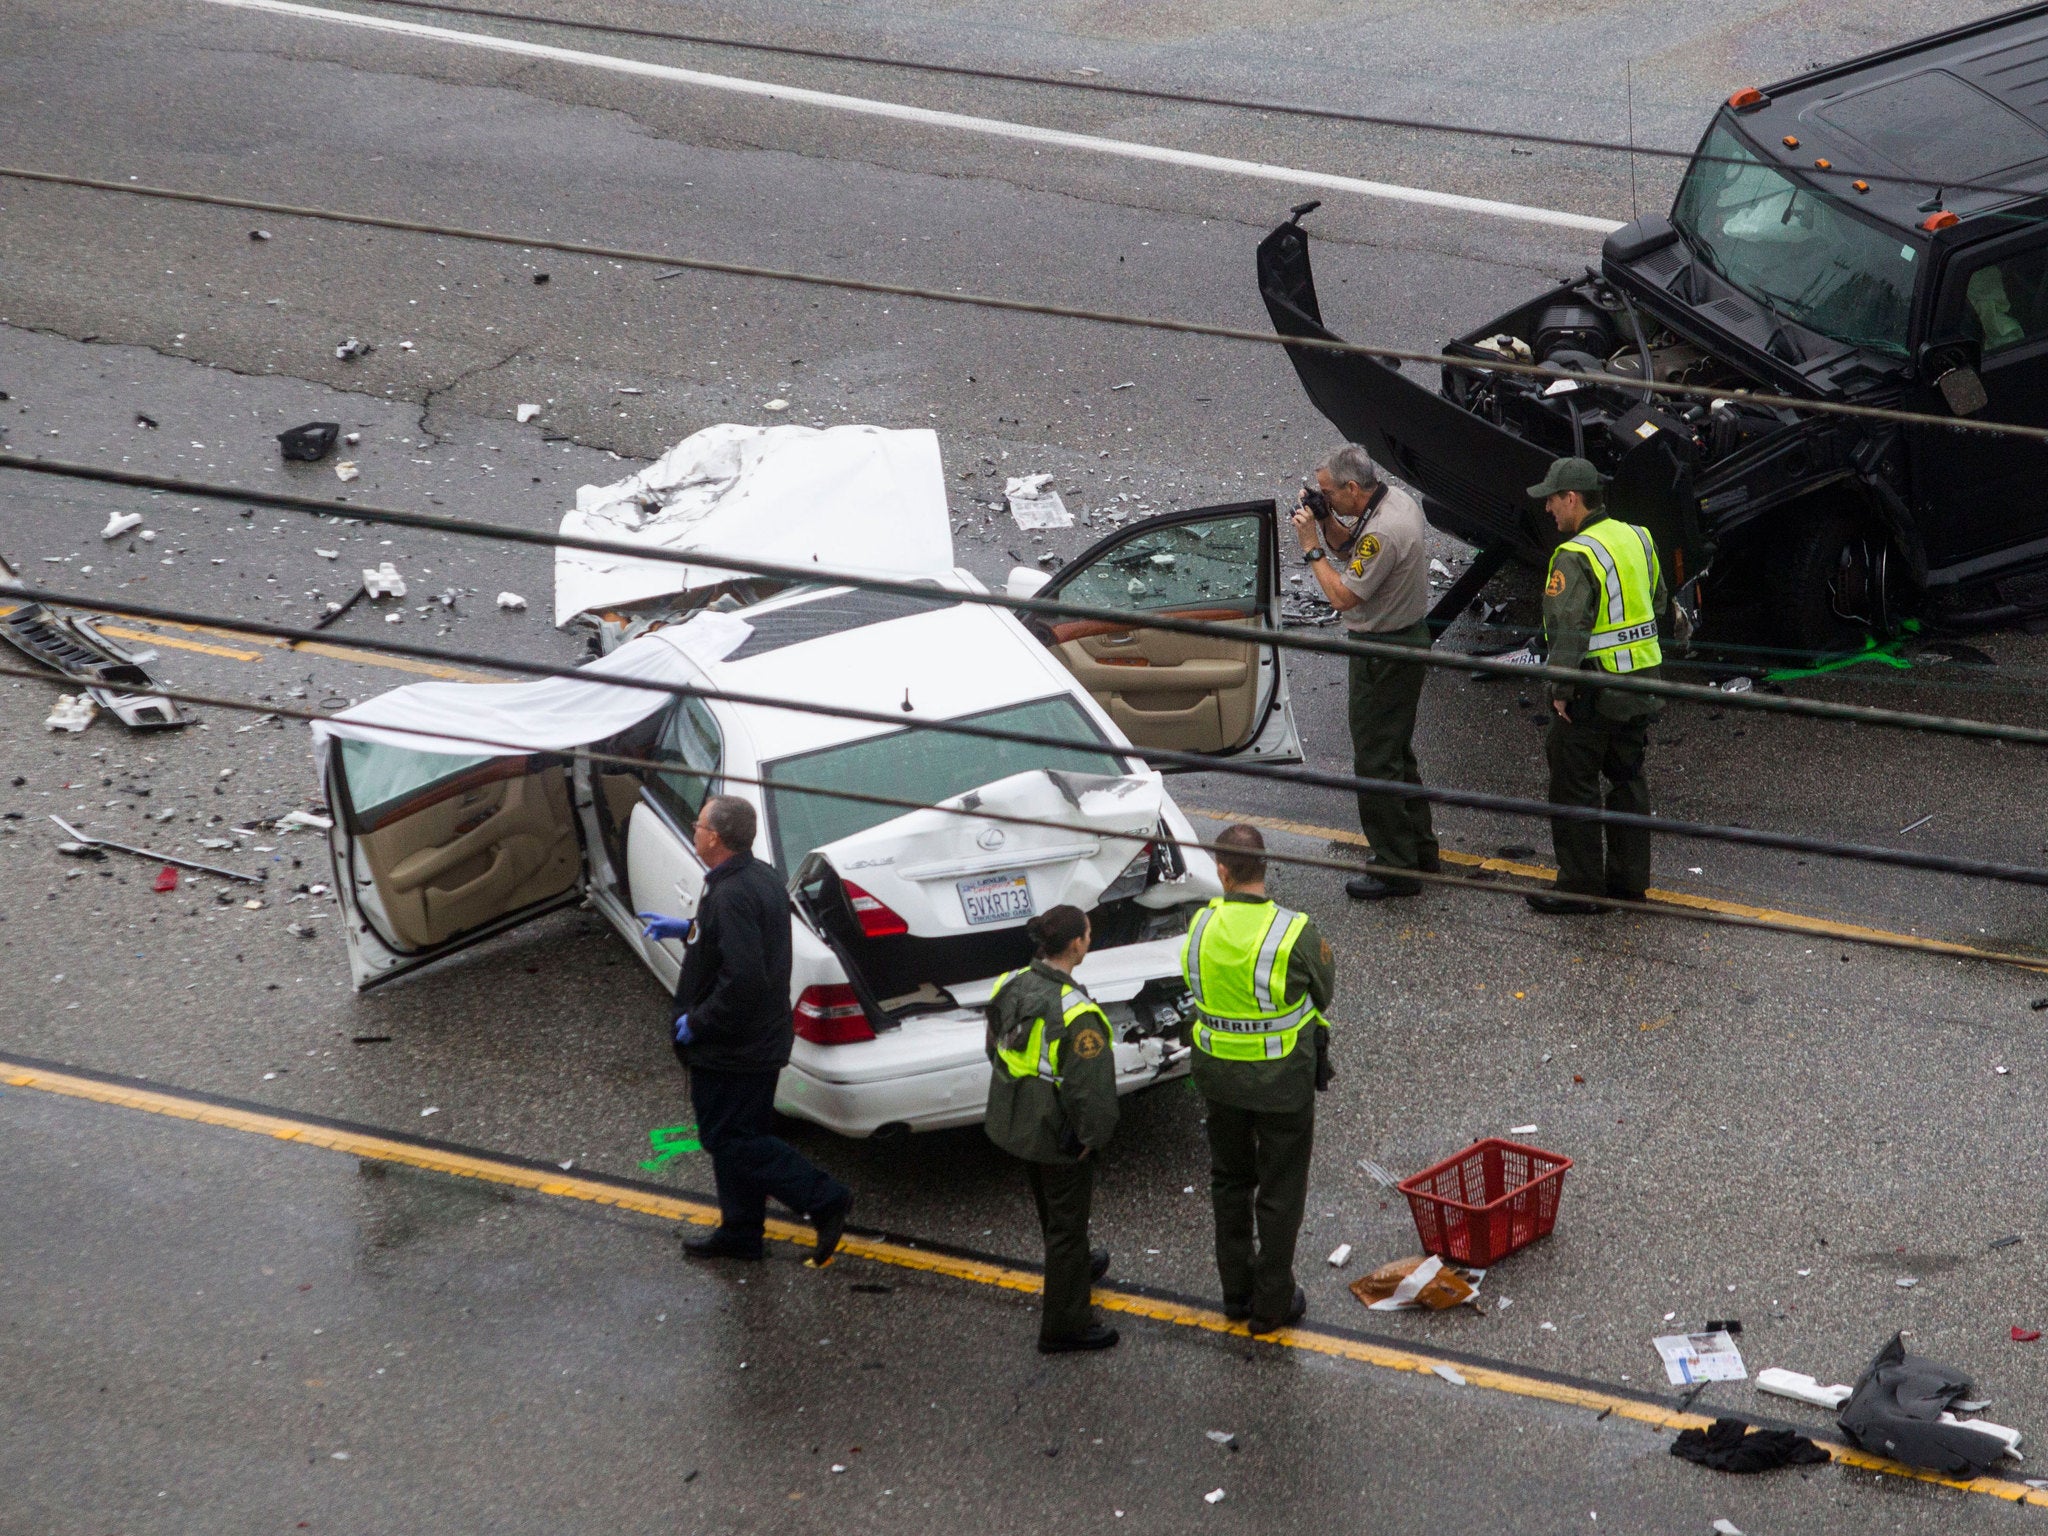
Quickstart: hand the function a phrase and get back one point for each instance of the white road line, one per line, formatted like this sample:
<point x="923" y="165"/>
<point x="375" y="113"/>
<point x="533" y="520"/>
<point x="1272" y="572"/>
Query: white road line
<point x="994" y="127"/>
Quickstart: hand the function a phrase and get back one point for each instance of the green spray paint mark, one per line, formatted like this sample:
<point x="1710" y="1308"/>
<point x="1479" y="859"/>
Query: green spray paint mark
<point x="1890" y="653"/>
<point x="671" y="1141"/>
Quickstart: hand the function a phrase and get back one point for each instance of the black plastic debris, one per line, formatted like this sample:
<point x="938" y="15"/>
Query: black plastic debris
<point x="1729" y="1445"/>
<point x="74" y="648"/>
<point x="348" y="351"/>
<point x="1896" y="1411"/>
<point x="259" y="234"/>
<point x="2007" y="1242"/>
<point x="310" y="443"/>
<point x="540" y="279"/>
<point x="145" y="421"/>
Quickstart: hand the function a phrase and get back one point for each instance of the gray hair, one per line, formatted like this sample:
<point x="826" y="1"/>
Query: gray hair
<point x="1351" y="465"/>
<point x="732" y="819"/>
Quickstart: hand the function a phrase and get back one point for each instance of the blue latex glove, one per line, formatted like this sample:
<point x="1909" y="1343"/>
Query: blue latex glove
<point x="683" y="1036"/>
<point x="659" y="927"/>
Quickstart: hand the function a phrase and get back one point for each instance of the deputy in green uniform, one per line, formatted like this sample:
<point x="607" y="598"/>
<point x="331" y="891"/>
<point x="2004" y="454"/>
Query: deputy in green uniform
<point x="1602" y="608"/>
<point x="1366" y="543"/>
<point x="1261" y="976"/>
<point x="1052" y="1102"/>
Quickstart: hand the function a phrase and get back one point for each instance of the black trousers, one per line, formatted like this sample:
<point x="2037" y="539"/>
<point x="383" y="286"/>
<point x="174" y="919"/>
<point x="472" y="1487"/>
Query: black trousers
<point x="1593" y="860"/>
<point x="1063" y="1193"/>
<point x="1258" y="1184"/>
<point x="735" y="1113"/>
<point x="1384" y="698"/>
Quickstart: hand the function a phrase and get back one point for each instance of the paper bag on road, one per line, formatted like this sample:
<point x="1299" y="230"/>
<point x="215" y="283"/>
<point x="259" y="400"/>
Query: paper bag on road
<point x="1406" y="1284"/>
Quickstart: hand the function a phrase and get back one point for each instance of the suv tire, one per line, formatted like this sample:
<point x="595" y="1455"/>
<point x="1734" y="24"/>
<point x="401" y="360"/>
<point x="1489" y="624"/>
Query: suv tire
<point x="1827" y="583"/>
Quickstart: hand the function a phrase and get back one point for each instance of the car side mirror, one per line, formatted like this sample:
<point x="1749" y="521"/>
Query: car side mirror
<point x="1962" y="388"/>
<point x="1025" y="582"/>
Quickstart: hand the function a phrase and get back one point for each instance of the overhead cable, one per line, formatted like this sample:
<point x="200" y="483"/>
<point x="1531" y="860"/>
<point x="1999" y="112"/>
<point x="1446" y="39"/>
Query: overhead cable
<point x="1314" y="778"/>
<point x="962" y="298"/>
<point x="1846" y="176"/>
<point x="1051" y="608"/>
<point x="1871" y="937"/>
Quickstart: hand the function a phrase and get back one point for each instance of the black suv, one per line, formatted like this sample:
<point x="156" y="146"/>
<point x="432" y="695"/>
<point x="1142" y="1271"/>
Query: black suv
<point x="1874" y="233"/>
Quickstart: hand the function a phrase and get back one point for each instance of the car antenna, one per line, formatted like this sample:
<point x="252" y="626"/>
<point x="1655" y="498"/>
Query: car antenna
<point x="1933" y="204"/>
<point x="1301" y="211"/>
<point x="906" y="701"/>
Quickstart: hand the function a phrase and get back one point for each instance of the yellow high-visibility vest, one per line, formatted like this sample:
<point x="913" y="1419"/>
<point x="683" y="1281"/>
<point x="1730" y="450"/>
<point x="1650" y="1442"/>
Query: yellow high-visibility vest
<point x="1039" y="1056"/>
<point x="1624" y="562"/>
<point x="1235" y="963"/>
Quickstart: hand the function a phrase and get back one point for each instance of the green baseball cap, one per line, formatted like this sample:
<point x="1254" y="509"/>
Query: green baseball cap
<point x="1567" y="475"/>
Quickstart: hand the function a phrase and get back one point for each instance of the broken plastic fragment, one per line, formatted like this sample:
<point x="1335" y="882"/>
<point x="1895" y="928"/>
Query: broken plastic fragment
<point x="766" y="405"/>
<point x="2024" y="1335"/>
<point x="259" y="234"/>
<point x="1222" y="1437"/>
<point x="166" y="880"/>
<point x="119" y="523"/>
<point x="328" y="554"/>
<point x="1450" y="1373"/>
<point x="346" y="470"/>
<point x="1726" y="1528"/>
<point x="527" y="411"/>
<point x="511" y="602"/>
<point x="1906" y="1282"/>
<point x="309" y="443"/>
<point x="1339" y="1254"/>
<point x="72" y="712"/>
<point x="291" y="819"/>
<point x="384" y="581"/>
<point x="351" y="349"/>
<point x="1800" y="1388"/>
<point x="1213" y="1496"/>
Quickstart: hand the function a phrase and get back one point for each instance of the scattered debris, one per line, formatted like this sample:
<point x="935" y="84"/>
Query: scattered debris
<point x="431" y="1109"/>
<point x="1738" y="685"/>
<point x="119" y="523"/>
<point x="1340" y="1255"/>
<point x="80" y="851"/>
<point x="346" y="470"/>
<point x="1213" y="1496"/>
<point x="311" y="443"/>
<point x="526" y="412"/>
<point x="371" y="1040"/>
<point x="301" y="930"/>
<point x="348" y="439"/>
<point x="1378" y="1174"/>
<point x="1917" y="825"/>
<point x="352" y="349"/>
<point x="1407" y="1284"/>
<point x="159" y="858"/>
<point x="72" y="712"/>
<point x="511" y="602"/>
<point x="1449" y="1373"/>
<point x="1127" y="384"/>
<point x="2007" y="1242"/>
<point x="1222" y="1437"/>
<point x="292" y="820"/>
<point x="1725" y="1528"/>
<point x="166" y="880"/>
<point x="253" y="904"/>
<point x="1906" y="1282"/>
<point x="1700" y="1357"/>
<point x="540" y="280"/>
<point x="1034" y="506"/>
<point x="766" y="405"/>
<point x="1800" y="1388"/>
<point x="1524" y="1130"/>
<point x="384" y="581"/>
<point x="1731" y="1446"/>
<point x="74" y="648"/>
<point x="1900" y="1409"/>
<point x="2025" y="1335"/>
<point x="259" y="234"/>
<point x="328" y="554"/>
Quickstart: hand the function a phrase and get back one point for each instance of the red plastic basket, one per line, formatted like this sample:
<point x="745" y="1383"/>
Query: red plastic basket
<point x="1480" y="1205"/>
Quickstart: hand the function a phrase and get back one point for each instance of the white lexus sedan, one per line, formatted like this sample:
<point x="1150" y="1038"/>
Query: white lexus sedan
<point x="902" y="917"/>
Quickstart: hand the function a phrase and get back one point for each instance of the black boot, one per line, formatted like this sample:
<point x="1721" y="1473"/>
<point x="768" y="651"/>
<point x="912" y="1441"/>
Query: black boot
<point x="720" y="1244"/>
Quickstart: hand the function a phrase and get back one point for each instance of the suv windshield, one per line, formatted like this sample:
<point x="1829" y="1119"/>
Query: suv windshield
<point x="1798" y="252"/>
<point x="923" y="766"/>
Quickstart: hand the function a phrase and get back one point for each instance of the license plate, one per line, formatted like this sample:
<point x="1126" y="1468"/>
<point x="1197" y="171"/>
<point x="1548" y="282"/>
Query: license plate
<point x="999" y="898"/>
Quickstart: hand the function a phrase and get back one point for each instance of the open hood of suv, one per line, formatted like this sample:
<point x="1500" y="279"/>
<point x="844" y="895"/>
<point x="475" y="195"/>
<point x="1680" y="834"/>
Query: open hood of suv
<point x="869" y="500"/>
<point x="943" y="873"/>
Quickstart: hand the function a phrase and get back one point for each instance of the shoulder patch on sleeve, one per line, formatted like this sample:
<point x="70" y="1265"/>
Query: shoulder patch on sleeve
<point x="1329" y="955"/>
<point x="1089" y="1043"/>
<point x="1555" y="586"/>
<point x="1368" y="548"/>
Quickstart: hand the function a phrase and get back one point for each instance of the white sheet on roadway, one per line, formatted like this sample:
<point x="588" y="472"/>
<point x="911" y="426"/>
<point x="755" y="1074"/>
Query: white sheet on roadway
<point x="552" y="714"/>
<point x="866" y="500"/>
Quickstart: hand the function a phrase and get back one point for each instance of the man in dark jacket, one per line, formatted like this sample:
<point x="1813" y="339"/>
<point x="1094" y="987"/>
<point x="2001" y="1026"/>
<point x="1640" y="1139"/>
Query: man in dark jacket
<point x="733" y="1033"/>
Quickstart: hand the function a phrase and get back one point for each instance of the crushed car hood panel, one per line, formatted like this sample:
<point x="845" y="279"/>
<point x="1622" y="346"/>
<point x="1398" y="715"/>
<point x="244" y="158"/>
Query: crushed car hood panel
<point x="918" y="863"/>
<point x="868" y="500"/>
<point x="555" y="714"/>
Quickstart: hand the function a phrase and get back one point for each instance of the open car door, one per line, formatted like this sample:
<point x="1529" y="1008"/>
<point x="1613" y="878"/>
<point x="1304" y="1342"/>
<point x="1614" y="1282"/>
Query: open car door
<point x="434" y="851"/>
<point x="1186" y="693"/>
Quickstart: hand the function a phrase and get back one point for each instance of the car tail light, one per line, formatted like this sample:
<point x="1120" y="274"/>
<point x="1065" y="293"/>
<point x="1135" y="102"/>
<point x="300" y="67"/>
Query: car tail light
<point x="877" y="921"/>
<point x="1136" y="876"/>
<point x="831" y="1015"/>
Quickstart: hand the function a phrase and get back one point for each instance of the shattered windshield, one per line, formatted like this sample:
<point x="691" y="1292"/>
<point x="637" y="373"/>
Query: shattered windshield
<point x="1798" y="252"/>
<point x="925" y="766"/>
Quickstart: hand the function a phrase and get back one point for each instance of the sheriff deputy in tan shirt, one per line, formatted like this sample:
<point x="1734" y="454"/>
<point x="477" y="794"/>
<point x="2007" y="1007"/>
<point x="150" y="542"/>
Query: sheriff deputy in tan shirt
<point x="1364" y="539"/>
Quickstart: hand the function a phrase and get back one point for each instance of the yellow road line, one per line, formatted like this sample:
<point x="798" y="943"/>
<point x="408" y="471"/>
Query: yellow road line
<point x="153" y="636"/>
<point x="1800" y="922"/>
<point x="367" y="1144"/>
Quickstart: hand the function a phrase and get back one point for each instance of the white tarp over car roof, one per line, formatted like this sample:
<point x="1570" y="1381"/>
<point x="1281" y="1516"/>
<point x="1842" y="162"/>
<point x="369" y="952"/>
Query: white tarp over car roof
<point x="553" y="714"/>
<point x="870" y="500"/>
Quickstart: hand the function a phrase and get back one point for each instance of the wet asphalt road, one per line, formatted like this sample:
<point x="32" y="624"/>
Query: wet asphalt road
<point x="1741" y="1107"/>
